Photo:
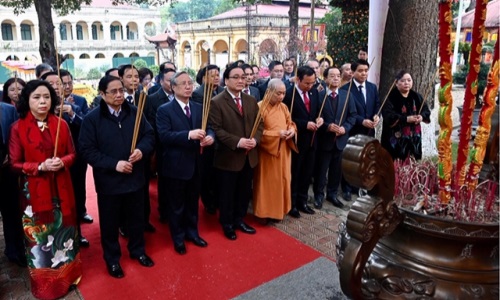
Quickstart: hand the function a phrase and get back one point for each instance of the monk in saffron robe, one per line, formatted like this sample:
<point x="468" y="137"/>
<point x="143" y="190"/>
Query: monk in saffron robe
<point x="272" y="176"/>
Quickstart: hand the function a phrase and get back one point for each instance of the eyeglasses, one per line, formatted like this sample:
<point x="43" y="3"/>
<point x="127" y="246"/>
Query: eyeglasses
<point x="238" y="77"/>
<point x="116" y="91"/>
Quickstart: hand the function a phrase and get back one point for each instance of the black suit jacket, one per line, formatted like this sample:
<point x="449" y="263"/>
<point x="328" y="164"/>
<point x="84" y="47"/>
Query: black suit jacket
<point x="198" y="93"/>
<point x="180" y="155"/>
<point x="301" y="117"/>
<point x="254" y="92"/>
<point x="364" y="110"/>
<point x="153" y="102"/>
<point x="328" y="140"/>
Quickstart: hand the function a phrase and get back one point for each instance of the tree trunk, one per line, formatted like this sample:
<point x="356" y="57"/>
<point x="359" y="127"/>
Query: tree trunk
<point x="293" y="17"/>
<point x="46" y="32"/>
<point x="410" y="43"/>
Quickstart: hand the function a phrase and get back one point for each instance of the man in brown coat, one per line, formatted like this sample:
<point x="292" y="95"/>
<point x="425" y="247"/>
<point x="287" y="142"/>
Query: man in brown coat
<point x="232" y="116"/>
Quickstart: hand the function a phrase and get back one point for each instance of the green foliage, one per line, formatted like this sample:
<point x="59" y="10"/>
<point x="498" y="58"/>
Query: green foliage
<point x="193" y="10"/>
<point x="104" y="68"/>
<point x="225" y="5"/>
<point x="79" y="73"/>
<point x="155" y="69"/>
<point x="94" y="73"/>
<point x="332" y="17"/>
<point x="140" y="63"/>
<point x="345" y="38"/>
<point x="191" y="72"/>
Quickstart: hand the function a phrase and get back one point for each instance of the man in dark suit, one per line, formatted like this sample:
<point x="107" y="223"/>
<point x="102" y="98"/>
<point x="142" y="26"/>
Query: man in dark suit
<point x="365" y="96"/>
<point x="79" y="168"/>
<point x="249" y="89"/>
<point x="165" y="65"/>
<point x="276" y="70"/>
<point x="178" y="127"/>
<point x="306" y="106"/>
<point x="340" y="116"/>
<point x="232" y="116"/>
<point x="129" y="75"/>
<point x="154" y="101"/>
<point x="208" y="175"/>
<point x="212" y="78"/>
<point x="9" y="205"/>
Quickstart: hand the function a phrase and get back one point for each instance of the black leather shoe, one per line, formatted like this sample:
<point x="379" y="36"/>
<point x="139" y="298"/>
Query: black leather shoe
<point x="336" y="202"/>
<point x="294" y="213"/>
<point x="198" y="241"/>
<point x="306" y="209"/>
<point x="86" y="218"/>
<point x="84" y="242"/>
<point x="115" y="271"/>
<point x="149" y="228"/>
<point x="229" y="232"/>
<point x="123" y="232"/>
<point x="346" y="196"/>
<point x="318" y="203"/>
<point x="145" y="261"/>
<point x="180" y="248"/>
<point x="245" y="228"/>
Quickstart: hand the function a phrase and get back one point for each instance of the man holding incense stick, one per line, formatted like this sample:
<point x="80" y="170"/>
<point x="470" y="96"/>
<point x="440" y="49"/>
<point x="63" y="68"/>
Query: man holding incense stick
<point x="232" y="116"/>
<point x="105" y="141"/>
<point x="340" y="116"/>
<point x="179" y="122"/>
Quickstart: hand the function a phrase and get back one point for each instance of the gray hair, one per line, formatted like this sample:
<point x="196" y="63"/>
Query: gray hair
<point x="275" y="83"/>
<point x="173" y="80"/>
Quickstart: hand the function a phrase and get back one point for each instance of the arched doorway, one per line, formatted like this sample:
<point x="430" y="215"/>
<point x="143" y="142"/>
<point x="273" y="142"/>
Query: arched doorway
<point x="221" y="53"/>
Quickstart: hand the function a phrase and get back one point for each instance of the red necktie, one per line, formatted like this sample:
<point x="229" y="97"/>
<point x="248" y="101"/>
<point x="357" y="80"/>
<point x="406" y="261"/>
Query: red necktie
<point x="238" y="103"/>
<point x="307" y="102"/>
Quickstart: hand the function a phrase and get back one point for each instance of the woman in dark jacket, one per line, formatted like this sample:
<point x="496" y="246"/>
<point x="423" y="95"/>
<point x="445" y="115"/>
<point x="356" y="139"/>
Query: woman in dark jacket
<point x="403" y="112"/>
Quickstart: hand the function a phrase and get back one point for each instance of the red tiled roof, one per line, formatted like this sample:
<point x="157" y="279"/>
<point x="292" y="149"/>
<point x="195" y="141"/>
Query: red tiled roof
<point x="492" y="16"/>
<point x="270" y="10"/>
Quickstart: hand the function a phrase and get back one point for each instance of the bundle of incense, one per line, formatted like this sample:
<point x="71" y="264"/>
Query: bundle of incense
<point x="138" y="117"/>
<point x="265" y="102"/>
<point x="61" y="97"/>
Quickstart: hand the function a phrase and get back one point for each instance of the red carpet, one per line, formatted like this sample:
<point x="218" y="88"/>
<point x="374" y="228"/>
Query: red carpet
<point x="223" y="270"/>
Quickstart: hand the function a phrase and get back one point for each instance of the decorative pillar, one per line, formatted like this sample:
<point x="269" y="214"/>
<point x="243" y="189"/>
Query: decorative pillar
<point x="73" y="32"/>
<point x="376" y="28"/>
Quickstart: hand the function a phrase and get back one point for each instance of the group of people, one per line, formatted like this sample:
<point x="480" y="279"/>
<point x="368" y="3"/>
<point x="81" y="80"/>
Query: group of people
<point x="261" y="142"/>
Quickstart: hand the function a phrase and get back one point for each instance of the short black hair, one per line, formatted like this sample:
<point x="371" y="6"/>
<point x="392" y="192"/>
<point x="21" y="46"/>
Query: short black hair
<point x="327" y="70"/>
<point x="305" y="71"/>
<point x="354" y="65"/>
<point x="273" y="64"/>
<point x="246" y="66"/>
<point x="105" y="81"/>
<point x="202" y="71"/>
<point x="228" y="70"/>
<point x="364" y="49"/>
<point x="109" y="71"/>
<point x="401" y="73"/>
<point x="123" y="68"/>
<point x="7" y="84"/>
<point x="63" y="73"/>
<point x="163" y="64"/>
<point x="163" y="72"/>
<point x="23" y="105"/>
<point x="143" y="72"/>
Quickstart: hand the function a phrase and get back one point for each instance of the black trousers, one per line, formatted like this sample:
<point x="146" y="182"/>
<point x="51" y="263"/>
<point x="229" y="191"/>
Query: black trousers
<point x="110" y="208"/>
<point x="235" y="191"/>
<point x="11" y="214"/>
<point x="208" y="182"/>
<point x="78" y="173"/>
<point x="331" y="162"/>
<point x="302" y="172"/>
<point x="182" y="199"/>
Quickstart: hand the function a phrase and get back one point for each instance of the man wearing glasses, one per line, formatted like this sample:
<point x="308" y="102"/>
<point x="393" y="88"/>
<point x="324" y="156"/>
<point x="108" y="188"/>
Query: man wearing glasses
<point x="119" y="173"/>
<point x="232" y="117"/>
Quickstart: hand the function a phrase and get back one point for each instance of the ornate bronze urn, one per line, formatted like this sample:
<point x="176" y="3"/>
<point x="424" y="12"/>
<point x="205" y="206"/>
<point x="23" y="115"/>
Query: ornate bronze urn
<point x="385" y="252"/>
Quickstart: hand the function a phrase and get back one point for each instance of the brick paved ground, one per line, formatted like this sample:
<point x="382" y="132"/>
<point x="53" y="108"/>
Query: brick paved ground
<point x="318" y="231"/>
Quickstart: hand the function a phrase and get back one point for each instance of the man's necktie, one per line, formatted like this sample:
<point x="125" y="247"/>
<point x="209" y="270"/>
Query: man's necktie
<point x="361" y="92"/>
<point x="334" y="102"/>
<point x="238" y="103"/>
<point x="188" y="112"/>
<point x="307" y="102"/>
<point x="130" y="99"/>
<point x="246" y="91"/>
